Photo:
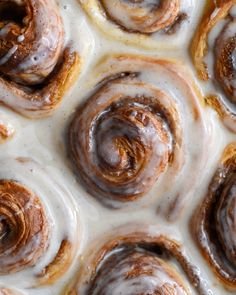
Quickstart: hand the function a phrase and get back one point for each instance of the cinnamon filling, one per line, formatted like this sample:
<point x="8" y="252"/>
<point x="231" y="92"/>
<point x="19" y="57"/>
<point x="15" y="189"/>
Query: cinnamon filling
<point x="10" y="11"/>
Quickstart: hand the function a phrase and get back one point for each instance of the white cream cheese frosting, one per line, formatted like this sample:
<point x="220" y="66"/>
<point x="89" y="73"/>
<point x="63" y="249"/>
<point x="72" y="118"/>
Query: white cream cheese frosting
<point x="80" y="216"/>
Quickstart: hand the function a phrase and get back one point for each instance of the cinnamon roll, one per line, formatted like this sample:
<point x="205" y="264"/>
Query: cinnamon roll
<point x="144" y="261"/>
<point x="35" y="67"/>
<point x="213" y="224"/>
<point x="147" y="23"/>
<point x="134" y="129"/>
<point x="33" y="240"/>
<point x="213" y="49"/>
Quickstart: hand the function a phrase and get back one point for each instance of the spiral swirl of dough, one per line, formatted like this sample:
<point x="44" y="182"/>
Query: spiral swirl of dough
<point x="132" y="131"/>
<point x="34" y="242"/>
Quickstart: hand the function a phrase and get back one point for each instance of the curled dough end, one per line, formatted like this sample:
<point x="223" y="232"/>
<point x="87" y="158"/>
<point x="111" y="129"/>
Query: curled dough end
<point x="42" y="102"/>
<point x="58" y="266"/>
<point x="199" y="45"/>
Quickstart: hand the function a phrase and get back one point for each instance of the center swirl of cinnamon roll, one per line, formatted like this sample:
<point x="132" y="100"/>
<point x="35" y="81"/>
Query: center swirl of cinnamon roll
<point x="226" y="219"/>
<point x="144" y="16"/>
<point x="128" y="138"/>
<point x="134" y="270"/>
<point x="123" y="145"/>
<point x="23" y="227"/>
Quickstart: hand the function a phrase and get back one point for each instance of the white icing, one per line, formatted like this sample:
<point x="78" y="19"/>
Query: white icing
<point x="44" y="140"/>
<point x="8" y="55"/>
<point x="157" y="40"/>
<point x="61" y="212"/>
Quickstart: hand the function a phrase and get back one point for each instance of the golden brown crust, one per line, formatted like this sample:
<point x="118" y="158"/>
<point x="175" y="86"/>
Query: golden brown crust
<point x="225" y="113"/>
<point x="137" y="262"/>
<point x="52" y="272"/>
<point x="213" y="224"/>
<point x="35" y="73"/>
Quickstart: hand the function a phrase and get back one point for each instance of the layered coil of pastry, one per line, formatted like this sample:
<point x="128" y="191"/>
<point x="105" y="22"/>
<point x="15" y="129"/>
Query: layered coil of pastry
<point x="213" y="54"/>
<point x="36" y="66"/>
<point x="213" y="224"/>
<point x="134" y="129"/>
<point x="137" y="260"/>
<point x="39" y="226"/>
<point x="149" y="24"/>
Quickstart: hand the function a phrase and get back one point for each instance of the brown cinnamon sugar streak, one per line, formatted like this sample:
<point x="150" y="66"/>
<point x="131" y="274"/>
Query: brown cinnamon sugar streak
<point x="137" y="263"/>
<point x="218" y="16"/>
<point x="213" y="224"/>
<point x="35" y="68"/>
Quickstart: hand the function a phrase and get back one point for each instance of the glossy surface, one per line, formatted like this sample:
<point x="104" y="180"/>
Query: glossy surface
<point x="171" y="197"/>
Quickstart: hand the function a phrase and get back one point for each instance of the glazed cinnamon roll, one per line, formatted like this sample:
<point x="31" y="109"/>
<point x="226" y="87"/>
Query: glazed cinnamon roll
<point x="213" y="224"/>
<point x="144" y="23"/>
<point x="35" y="67"/>
<point x="213" y="48"/>
<point x="134" y="129"/>
<point x="33" y="240"/>
<point x="145" y="261"/>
